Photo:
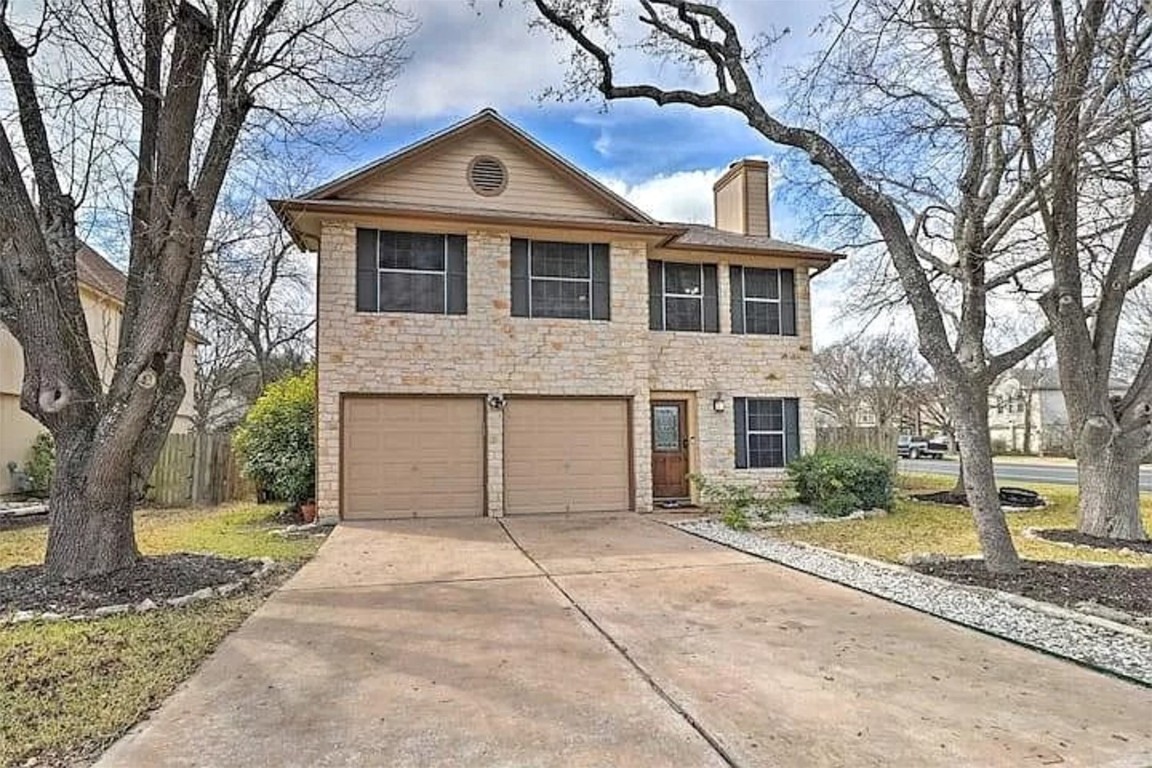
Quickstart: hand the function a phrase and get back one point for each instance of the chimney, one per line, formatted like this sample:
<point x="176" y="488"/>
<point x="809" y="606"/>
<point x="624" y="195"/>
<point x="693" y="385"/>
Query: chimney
<point x="741" y="199"/>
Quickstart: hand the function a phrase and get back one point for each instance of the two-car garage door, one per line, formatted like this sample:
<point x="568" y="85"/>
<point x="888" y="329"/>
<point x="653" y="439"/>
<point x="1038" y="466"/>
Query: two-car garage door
<point x="425" y="456"/>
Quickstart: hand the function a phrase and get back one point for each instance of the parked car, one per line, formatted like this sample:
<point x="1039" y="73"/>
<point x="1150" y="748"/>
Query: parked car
<point x="917" y="447"/>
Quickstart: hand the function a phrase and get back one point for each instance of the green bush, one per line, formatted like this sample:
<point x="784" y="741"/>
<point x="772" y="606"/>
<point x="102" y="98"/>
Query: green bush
<point x="737" y="502"/>
<point x="277" y="441"/>
<point x="836" y="483"/>
<point x="41" y="465"/>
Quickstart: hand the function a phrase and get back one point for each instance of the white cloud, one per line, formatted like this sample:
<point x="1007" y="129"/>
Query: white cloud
<point x="680" y="196"/>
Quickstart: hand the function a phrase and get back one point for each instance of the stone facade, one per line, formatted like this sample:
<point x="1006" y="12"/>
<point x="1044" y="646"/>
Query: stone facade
<point x="487" y="351"/>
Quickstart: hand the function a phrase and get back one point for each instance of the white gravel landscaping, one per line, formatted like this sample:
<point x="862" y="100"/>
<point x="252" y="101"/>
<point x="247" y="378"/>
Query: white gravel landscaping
<point x="1113" y="647"/>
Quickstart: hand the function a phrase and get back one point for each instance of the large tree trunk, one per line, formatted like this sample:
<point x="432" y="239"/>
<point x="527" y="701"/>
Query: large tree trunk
<point x="979" y="481"/>
<point x="90" y="528"/>
<point x="1110" y="494"/>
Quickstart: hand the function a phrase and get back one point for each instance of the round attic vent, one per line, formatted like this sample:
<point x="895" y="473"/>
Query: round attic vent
<point x="487" y="176"/>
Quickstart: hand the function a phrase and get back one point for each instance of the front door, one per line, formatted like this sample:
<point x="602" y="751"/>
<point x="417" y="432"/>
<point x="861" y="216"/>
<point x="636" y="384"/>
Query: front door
<point x="669" y="450"/>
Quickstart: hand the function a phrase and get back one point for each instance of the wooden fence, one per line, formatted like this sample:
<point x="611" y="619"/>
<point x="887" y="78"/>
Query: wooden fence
<point x="195" y="470"/>
<point x="873" y="439"/>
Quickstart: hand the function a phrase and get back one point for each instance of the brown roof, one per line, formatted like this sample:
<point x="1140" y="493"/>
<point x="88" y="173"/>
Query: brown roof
<point x="97" y="272"/>
<point x="711" y="238"/>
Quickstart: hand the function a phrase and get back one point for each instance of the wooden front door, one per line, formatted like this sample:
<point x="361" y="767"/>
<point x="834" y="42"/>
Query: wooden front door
<point x="669" y="449"/>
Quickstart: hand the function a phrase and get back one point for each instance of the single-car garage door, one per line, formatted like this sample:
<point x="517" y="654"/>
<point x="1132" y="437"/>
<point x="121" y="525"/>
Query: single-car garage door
<point x="566" y="455"/>
<point x="413" y="457"/>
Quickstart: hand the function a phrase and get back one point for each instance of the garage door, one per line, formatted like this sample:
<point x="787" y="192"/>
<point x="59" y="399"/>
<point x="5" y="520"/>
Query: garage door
<point x="565" y="455"/>
<point x="413" y="457"/>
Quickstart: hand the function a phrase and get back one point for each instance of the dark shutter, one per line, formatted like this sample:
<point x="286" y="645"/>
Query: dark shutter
<point x="787" y="302"/>
<point x="656" y="295"/>
<point x="457" y="250"/>
<point x="601" y="283"/>
<point x="740" y="414"/>
<point x="711" y="300"/>
<point x="791" y="429"/>
<point x="519" y="278"/>
<point x="737" y="289"/>
<point x="366" y="270"/>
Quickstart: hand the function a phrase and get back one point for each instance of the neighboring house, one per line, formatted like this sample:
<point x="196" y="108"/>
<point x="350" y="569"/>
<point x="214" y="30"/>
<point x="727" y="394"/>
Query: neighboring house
<point x="1027" y="414"/>
<point x="498" y="333"/>
<point x="102" y="290"/>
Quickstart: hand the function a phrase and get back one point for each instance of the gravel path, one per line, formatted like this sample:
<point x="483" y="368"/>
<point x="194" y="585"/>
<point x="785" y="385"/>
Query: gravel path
<point x="1126" y="653"/>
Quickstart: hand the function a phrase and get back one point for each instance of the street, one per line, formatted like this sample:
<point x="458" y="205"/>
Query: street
<point x="1008" y="472"/>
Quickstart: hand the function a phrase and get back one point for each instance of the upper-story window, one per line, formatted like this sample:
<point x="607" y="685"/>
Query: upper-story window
<point x="568" y="280"/>
<point x="411" y="272"/>
<point x="763" y="301"/>
<point x="682" y="297"/>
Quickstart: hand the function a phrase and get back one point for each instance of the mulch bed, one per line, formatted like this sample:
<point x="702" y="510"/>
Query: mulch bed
<point x="1010" y="497"/>
<point x="25" y="588"/>
<point x="1120" y="587"/>
<point x="12" y="522"/>
<point x="1072" y="536"/>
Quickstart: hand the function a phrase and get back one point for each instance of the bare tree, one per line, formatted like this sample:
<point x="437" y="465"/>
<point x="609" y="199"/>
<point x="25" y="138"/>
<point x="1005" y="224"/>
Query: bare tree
<point x="258" y="286"/>
<point x="935" y="166"/>
<point x="184" y="82"/>
<point x="1095" y="206"/>
<point x="702" y="34"/>
<point x="880" y="371"/>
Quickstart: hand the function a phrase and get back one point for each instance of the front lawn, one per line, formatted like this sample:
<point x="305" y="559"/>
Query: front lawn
<point x="917" y="528"/>
<point x="68" y="689"/>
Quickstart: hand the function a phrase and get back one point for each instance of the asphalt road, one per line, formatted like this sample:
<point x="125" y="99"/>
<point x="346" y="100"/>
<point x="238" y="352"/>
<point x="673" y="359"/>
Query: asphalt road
<point x="1008" y="473"/>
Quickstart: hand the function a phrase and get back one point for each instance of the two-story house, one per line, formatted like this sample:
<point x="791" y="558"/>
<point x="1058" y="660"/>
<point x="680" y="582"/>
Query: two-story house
<point x="500" y="334"/>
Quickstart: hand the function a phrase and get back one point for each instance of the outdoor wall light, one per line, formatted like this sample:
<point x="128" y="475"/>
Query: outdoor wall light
<point x="496" y="402"/>
<point x="718" y="402"/>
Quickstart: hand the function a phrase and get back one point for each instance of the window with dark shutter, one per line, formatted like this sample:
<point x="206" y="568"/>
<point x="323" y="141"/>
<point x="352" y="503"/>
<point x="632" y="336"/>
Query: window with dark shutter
<point x="683" y="297"/>
<point x="411" y="272"/>
<point x="767" y="432"/>
<point x="561" y="280"/>
<point x="763" y="301"/>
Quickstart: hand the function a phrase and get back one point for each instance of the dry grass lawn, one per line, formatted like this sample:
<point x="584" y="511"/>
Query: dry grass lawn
<point x="68" y="689"/>
<point x="917" y="528"/>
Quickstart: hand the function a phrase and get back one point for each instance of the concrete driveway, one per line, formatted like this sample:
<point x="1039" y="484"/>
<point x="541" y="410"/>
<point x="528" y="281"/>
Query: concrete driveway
<point x="615" y="641"/>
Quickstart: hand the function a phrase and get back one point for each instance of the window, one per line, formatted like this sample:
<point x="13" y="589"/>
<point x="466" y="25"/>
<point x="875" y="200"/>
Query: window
<point x="767" y="431"/>
<point x="567" y="280"/>
<point x="682" y="297"/>
<point x="763" y="301"/>
<point x="411" y="272"/>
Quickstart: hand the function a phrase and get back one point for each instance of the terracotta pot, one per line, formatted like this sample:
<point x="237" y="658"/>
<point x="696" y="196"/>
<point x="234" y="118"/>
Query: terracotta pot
<point x="308" y="512"/>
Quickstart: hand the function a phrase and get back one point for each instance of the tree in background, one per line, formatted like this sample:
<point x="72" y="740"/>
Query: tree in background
<point x="255" y="304"/>
<point x="882" y="372"/>
<point x="142" y="126"/>
<point x="912" y="117"/>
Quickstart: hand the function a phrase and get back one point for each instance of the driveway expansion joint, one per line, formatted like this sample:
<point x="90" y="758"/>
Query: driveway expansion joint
<point x="644" y="674"/>
<point x="414" y="583"/>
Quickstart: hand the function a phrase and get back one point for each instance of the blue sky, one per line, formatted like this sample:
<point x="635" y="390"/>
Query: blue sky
<point x="467" y="56"/>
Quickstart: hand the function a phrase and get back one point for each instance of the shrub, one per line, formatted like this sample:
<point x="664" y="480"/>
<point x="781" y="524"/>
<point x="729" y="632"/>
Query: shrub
<point x="836" y="483"/>
<point x="276" y="442"/>
<point x="737" y="502"/>
<point x="41" y="465"/>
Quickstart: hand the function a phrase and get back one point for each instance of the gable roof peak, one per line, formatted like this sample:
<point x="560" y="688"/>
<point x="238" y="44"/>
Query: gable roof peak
<point x="487" y="116"/>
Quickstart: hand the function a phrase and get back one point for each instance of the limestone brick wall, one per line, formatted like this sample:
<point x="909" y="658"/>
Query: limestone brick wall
<point x="711" y="364"/>
<point x="487" y="351"/>
<point x="484" y="352"/>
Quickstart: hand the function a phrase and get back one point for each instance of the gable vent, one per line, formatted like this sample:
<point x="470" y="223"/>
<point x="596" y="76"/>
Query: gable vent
<point x="487" y="176"/>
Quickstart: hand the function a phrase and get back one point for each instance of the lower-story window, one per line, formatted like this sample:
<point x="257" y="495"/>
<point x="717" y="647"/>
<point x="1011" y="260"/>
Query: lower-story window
<point x="767" y="431"/>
